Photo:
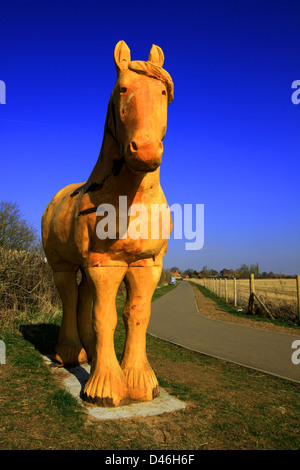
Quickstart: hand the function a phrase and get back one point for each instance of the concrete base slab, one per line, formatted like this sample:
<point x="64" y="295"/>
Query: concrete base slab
<point x="75" y="378"/>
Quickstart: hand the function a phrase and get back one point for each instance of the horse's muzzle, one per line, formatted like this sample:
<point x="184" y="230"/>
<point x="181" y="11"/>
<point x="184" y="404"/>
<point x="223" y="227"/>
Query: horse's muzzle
<point x="144" y="154"/>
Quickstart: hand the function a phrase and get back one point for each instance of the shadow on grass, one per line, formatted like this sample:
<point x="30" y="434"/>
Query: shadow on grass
<point x="42" y="336"/>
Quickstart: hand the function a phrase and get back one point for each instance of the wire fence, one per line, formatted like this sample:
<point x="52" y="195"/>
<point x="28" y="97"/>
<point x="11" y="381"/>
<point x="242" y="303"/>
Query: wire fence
<point x="276" y="298"/>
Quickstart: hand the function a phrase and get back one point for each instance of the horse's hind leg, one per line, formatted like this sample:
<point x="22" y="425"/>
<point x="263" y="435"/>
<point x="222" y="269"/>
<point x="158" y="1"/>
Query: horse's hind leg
<point x="69" y="350"/>
<point x="84" y="316"/>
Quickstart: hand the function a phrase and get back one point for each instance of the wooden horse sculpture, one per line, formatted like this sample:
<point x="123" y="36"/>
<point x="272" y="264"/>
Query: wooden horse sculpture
<point x="128" y="165"/>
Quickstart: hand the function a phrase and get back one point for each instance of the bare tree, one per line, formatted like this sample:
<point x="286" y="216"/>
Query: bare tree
<point x="15" y="232"/>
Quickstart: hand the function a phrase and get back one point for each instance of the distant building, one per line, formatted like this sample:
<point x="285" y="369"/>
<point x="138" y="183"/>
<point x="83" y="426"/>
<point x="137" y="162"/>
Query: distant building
<point x="177" y="275"/>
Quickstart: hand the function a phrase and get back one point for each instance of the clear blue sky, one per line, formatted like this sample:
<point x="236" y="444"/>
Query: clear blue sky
<point x="233" y="132"/>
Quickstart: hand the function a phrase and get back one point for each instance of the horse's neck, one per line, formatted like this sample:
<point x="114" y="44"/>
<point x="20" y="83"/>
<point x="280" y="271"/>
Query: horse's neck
<point x="103" y="166"/>
<point x="126" y="181"/>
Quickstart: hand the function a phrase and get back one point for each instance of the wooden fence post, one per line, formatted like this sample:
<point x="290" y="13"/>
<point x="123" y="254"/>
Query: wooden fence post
<point x="234" y="292"/>
<point x="298" y="294"/>
<point x="251" y="296"/>
<point x="226" y="291"/>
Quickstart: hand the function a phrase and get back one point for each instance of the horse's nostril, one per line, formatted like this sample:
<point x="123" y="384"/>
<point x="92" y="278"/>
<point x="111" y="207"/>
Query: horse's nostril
<point x="133" y="145"/>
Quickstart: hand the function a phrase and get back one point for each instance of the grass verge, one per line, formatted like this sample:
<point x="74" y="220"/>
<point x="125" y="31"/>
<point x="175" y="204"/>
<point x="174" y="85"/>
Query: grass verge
<point x="229" y="407"/>
<point x="229" y="308"/>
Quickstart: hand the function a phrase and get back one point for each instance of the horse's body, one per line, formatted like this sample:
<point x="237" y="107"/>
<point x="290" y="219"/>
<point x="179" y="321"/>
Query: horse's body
<point x="128" y="165"/>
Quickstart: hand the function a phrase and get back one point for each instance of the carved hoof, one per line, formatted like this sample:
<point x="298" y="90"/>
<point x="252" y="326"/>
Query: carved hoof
<point x="69" y="354"/>
<point x="142" y="383"/>
<point x="106" y="389"/>
<point x="88" y="342"/>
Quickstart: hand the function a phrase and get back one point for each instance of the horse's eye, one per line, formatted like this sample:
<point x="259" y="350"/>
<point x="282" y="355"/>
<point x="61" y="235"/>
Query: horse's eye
<point x="123" y="89"/>
<point x="164" y="92"/>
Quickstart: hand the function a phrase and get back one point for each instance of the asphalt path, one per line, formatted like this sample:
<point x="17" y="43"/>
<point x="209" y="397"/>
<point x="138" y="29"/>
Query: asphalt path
<point x="175" y="318"/>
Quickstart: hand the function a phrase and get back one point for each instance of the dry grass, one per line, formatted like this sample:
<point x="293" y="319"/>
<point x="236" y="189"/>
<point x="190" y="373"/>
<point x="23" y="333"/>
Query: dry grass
<point x="26" y="285"/>
<point x="208" y="306"/>
<point x="279" y="295"/>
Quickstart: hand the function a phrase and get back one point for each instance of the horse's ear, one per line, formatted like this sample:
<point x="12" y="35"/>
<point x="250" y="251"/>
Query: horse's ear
<point x="122" y="56"/>
<point x="156" y="56"/>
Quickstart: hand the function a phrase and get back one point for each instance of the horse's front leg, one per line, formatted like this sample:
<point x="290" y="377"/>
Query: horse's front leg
<point x="141" y="380"/>
<point x="107" y="384"/>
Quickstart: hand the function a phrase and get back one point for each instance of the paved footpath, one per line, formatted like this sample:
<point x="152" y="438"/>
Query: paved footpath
<point x="175" y="318"/>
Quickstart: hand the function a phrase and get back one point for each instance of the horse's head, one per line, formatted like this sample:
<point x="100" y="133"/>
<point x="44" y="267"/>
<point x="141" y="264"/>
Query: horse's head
<point x="137" y="115"/>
